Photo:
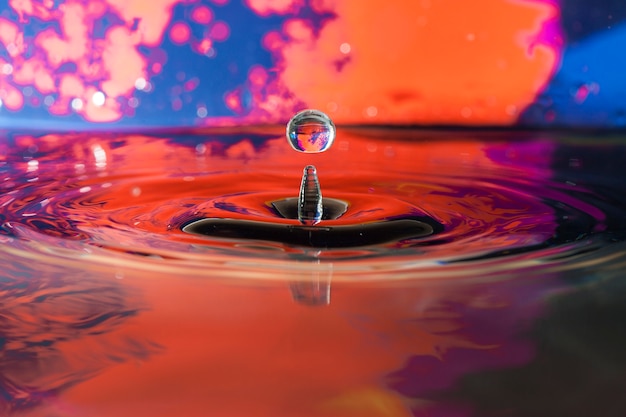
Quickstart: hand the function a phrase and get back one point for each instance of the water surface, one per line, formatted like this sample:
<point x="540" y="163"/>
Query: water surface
<point x="511" y="305"/>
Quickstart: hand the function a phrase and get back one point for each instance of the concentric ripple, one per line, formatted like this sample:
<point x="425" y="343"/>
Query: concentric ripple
<point x="493" y="203"/>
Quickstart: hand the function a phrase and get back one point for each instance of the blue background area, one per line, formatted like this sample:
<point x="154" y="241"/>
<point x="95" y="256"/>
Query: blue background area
<point x="594" y="58"/>
<point x="227" y="69"/>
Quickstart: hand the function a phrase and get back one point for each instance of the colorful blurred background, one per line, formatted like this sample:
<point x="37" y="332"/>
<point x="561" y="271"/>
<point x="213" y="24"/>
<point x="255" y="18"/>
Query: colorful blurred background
<point x="159" y="63"/>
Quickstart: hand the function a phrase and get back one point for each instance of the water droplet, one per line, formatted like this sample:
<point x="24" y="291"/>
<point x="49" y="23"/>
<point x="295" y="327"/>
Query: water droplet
<point x="310" y="208"/>
<point x="288" y="208"/>
<point x="310" y="131"/>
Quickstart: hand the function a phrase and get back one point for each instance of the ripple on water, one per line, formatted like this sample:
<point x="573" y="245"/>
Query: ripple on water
<point x="493" y="202"/>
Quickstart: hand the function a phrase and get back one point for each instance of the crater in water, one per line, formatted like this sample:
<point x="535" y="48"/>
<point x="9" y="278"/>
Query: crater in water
<point x="399" y="203"/>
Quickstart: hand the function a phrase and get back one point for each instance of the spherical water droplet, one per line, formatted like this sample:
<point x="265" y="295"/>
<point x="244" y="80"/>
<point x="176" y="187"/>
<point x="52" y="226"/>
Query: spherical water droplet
<point x="310" y="131"/>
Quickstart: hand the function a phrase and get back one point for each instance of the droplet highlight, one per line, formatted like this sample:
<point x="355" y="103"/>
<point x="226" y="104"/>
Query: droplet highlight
<point x="311" y="131"/>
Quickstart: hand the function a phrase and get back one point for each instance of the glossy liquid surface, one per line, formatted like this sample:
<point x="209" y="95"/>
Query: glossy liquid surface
<point x="511" y="303"/>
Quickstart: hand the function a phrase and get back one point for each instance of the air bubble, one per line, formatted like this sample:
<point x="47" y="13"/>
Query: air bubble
<point x="310" y="131"/>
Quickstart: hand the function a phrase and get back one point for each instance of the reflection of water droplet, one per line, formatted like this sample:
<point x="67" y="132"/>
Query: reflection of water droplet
<point x="314" y="291"/>
<point x="310" y="131"/>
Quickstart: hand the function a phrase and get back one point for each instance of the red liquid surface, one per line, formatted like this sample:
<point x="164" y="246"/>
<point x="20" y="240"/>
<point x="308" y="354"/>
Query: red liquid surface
<point x="109" y="309"/>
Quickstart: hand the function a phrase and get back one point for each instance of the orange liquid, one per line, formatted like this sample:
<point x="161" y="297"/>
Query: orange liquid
<point x="109" y="309"/>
